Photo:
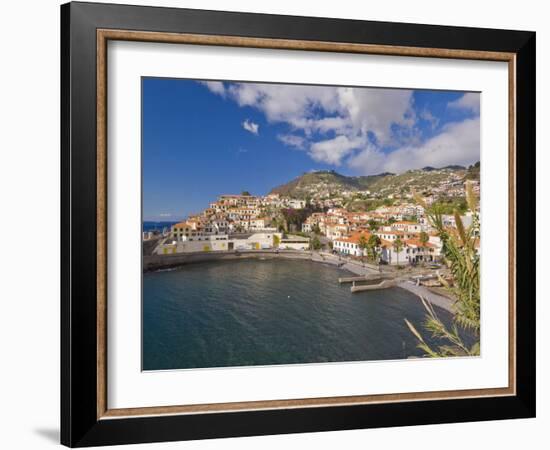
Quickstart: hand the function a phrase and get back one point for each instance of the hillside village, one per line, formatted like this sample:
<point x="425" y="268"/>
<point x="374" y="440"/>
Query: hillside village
<point x="376" y="217"/>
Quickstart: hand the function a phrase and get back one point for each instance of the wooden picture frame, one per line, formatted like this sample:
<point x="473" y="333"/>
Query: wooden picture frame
<point x="86" y="418"/>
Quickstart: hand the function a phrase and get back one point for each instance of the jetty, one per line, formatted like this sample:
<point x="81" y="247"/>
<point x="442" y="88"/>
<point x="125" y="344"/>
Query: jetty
<point x="366" y="277"/>
<point x="384" y="284"/>
<point x="369" y="282"/>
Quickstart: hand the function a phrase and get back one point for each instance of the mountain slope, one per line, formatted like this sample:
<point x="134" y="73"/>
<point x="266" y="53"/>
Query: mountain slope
<point x="331" y="183"/>
<point x="324" y="181"/>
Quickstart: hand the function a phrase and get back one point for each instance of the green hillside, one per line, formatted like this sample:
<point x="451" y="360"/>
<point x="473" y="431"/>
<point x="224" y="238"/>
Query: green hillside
<point x="331" y="183"/>
<point x="311" y="183"/>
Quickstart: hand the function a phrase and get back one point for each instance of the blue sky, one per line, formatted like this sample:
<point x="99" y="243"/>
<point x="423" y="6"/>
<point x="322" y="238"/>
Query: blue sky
<point x="202" y="139"/>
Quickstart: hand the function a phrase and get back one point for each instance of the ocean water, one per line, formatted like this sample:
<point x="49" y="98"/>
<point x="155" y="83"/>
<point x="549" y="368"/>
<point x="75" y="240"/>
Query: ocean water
<point x="159" y="226"/>
<point x="266" y="312"/>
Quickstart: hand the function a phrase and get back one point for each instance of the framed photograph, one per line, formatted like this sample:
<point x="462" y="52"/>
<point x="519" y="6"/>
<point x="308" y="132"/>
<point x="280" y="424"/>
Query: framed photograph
<point x="276" y="224"/>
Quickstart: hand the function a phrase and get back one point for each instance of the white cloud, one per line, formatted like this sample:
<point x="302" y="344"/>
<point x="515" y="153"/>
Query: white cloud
<point x="376" y="110"/>
<point x="292" y="140"/>
<point x="217" y="87"/>
<point x="332" y="151"/>
<point x="293" y="104"/>
<point x="250" y="126"/>
<point x="322" y="109"/>
<point x="458" y="143"/>
<point x="341" y="125"/>
<point x="429" y="117"/>
<point x="469" y="101"/>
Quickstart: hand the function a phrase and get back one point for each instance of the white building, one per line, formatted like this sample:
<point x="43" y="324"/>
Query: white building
<point x="406" y="226"/>
<point x="295" y="203"/>
<point x="209" y="243"/>
<point x="449" y="220"/>
<point x="294" y="243"/>
<point x="412" y="251"/>
<point x="351" y="245"/>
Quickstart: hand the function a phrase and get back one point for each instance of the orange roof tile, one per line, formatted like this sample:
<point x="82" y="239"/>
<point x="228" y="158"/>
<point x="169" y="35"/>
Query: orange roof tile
<point x="417" y="243"/>
<point x="355" y="237"/>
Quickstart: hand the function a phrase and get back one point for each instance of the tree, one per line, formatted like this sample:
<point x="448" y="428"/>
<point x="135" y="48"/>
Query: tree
<point x="316" y="229"/>
<point x="398" y="247"/>
<point x="373" y="225"/>
<point x="245" y="193"/>
<point x="363" y="244"/>
<point x="315" y="243"/>
<point x="373" y="243"/>
<point x="276" y="240"/>
<point x="460" y="255"/>
<point x="424" y="238"/>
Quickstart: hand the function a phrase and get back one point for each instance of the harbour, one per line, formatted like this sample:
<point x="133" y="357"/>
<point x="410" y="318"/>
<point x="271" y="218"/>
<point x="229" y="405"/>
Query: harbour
<point x="271" y="311"/>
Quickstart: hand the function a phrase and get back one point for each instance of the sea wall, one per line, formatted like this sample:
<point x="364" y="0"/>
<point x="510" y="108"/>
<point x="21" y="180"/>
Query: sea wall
<point x="158" y="262"/>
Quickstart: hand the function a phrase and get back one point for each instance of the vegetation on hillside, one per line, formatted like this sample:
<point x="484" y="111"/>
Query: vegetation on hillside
<point x="460" y="255"/>
<point x="332" y="183"/>
<point x="473" y="172"/>
<point x="359" y="204"/>
<point x="448" y="205"/>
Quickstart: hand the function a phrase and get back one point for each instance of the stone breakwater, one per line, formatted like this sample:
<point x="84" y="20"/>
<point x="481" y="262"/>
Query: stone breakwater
<point x="153" y="263"/>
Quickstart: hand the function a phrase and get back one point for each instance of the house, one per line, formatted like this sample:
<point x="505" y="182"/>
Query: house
<point x="390" y="235"/>
<point x="260" y="223"/>
<point x="334" y="231"/>
<point x="351" y="245"/>
<point x="407" y="226"/>
<point x="412" y="251"/>
<point x="418" y="252"/>
<point x="390" y="255"/>
<point x="449" y="220"/>
<point x="296" y="204"/>
<point x="184" y="229"/>
<point x="313" y="221"/>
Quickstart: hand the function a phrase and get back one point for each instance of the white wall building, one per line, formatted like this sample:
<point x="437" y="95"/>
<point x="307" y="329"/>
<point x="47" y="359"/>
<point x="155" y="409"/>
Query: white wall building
<point x="208" y="243"/>
<point x="294" y="243"/>
<point x="351" y="245"/>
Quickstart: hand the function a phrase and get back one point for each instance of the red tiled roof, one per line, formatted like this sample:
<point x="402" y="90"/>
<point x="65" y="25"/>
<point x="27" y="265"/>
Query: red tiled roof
<point x="355" y="237"/>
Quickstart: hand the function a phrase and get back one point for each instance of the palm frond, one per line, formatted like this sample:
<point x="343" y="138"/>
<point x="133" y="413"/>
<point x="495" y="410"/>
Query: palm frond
<point x="461" y="257"/>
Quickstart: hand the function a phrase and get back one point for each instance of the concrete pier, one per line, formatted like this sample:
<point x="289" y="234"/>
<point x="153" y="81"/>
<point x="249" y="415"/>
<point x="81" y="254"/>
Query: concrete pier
<point x="367" y="277"/>
<point x="384" y="284"/>
<point x="351" y="279"/>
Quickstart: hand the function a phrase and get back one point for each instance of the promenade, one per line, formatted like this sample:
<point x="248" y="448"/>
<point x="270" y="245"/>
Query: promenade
<point x="434" y="299"/>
